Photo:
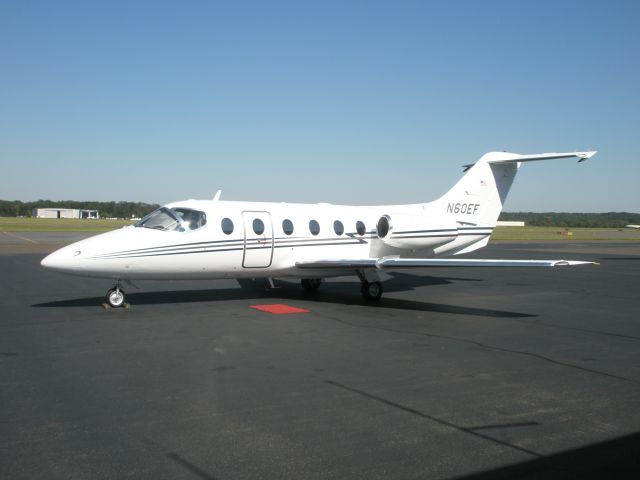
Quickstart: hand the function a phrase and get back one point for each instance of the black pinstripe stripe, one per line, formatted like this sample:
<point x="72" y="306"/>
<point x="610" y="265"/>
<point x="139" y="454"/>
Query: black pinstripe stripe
<point x="215" y="246"/>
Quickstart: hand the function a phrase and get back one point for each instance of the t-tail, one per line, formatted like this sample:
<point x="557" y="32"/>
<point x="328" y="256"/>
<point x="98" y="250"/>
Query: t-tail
<point x="475" y="202"/>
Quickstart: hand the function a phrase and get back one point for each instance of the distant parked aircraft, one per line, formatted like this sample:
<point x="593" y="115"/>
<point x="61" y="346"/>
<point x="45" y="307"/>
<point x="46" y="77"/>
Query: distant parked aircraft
<point x="633" y="226"/>
<point x="206" y="239"/>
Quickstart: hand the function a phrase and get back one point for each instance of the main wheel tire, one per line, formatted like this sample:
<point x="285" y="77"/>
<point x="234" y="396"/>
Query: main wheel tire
<point x="311" y="284"/>
<point x="115" y="297"/>
<point x="371" y="291"/>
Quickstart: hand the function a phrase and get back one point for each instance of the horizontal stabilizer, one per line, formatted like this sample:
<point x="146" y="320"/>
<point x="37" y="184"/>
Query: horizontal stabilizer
<point x="515" y="158"/>
<point x="507" y="157"/>
<point x="433" y="262"/>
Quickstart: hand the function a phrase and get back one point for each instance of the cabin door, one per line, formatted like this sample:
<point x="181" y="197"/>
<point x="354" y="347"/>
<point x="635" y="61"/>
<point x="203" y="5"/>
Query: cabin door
<point x="258" y="239"/>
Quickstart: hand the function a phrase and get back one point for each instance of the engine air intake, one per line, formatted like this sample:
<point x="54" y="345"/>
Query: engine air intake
<point x="414" y="231"/>
<point x="383" y="226"/>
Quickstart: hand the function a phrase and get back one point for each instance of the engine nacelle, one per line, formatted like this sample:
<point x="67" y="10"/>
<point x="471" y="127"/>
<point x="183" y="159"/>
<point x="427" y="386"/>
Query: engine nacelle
<point x="414" y="232"/>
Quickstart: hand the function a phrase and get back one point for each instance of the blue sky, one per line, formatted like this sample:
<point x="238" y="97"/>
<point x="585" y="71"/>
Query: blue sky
<point x="359" y="102"/>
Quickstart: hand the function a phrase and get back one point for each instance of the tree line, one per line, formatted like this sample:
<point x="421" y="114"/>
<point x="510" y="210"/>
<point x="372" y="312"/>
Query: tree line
<point x="564" y="219"/>
<point x="16" y="208"/>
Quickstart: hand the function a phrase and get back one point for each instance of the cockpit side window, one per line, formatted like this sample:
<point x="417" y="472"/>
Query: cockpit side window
<point x="191" y="219"/>
<point x="173" y="219"/>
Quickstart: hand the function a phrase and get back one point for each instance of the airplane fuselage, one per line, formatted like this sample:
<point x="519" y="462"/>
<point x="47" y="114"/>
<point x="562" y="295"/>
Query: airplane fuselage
<point x="250" y="239"/>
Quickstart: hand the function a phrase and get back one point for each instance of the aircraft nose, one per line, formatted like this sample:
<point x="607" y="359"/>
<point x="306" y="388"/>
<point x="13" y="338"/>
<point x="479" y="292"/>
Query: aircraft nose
<point x="52" y="261"/>
<point x="60" y="260"/>
<point x="46" y="262"/>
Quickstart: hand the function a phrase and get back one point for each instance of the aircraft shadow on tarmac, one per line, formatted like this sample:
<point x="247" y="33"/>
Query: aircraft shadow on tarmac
<point x="626" y="259"/>
<point x="343" y="293"/>
<point x="617" y="458"/>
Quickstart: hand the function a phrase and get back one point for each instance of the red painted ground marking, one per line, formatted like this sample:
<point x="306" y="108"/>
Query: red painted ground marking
<point x="279" y="308"/>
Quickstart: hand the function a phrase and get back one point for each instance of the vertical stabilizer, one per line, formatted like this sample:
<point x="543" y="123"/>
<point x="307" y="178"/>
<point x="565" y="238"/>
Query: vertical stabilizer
<point x="475" y="202"/>
<point x="478" y="197"/>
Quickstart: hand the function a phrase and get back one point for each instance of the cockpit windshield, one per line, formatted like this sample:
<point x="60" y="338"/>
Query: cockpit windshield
<point x="174" y="219"/>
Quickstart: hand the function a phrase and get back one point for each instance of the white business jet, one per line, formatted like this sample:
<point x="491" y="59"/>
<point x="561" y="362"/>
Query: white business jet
<point x="209" y="239"/>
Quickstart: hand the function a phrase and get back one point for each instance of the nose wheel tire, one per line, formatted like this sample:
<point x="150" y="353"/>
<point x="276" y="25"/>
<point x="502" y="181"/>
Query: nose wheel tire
<point x="371" y="291"/>
<point x="115" y="297"/>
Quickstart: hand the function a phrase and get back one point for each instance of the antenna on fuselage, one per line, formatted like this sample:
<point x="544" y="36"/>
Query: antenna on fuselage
<point x="216" y="197"/>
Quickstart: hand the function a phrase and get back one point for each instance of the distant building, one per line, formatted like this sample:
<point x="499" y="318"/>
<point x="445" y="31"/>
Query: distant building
<point x="64" y="213"/>
<point x="510" y="224"/>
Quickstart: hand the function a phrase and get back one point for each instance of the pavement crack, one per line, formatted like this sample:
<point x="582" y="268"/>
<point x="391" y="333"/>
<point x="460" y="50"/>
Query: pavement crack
<point x="190" y="466"/>
<point x="578" y="329"/>
<point x="492" y="347"/>
<point x="505" y="425"/>
<point x="413" y="411"/>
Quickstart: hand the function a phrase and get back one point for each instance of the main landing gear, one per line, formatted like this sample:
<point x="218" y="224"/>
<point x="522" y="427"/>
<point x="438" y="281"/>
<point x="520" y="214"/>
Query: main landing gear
<point x="370" y="285"/>
<point x="371" y="291"/>
<point x="115" y="296"/>
<point x="311" y="284"/>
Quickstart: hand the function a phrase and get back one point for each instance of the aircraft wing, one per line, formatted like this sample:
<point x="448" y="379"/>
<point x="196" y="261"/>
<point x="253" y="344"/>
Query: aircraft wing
<point x="381" y="263"/>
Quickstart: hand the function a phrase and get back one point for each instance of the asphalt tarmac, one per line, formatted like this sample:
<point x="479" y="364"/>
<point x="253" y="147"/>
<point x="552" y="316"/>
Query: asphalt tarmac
<point x="458" y="373"/>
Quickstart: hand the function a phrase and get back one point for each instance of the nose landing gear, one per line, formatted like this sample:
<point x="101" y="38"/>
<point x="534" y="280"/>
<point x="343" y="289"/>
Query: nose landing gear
<point x="115" y="296"/>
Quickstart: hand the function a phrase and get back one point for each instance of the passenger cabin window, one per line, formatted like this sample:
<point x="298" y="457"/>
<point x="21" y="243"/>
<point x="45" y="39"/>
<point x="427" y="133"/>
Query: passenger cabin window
<point x="173" y="219"/>
<point x="258" y="226"/>
<point x="227" y="226"/>
<point x="287" y="226"/>
<point x="338" y="227"/>
<point x="314" y="227"/>
<point x="360" y="228"/>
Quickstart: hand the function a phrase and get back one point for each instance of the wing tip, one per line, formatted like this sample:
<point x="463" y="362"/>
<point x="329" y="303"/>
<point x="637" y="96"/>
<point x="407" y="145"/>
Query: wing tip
<point x="571" y="263"/>
<point x="586" y="155"/>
